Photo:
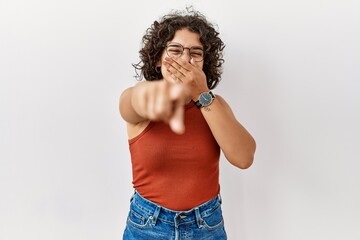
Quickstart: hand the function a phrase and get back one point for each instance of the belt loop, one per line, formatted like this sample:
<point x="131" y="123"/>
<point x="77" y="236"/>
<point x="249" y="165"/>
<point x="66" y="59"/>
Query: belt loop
<point x="199" y="220"/>
<point x="220" y="199"/>
<point x="155" y="216"/>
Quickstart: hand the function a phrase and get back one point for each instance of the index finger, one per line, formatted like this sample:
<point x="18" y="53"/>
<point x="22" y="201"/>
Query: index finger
<point x="178" y="93"/>
<point x="176" y="122"/>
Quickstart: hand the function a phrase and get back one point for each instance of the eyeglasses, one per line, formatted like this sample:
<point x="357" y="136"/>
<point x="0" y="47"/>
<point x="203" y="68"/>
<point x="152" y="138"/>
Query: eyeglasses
<point x="176" y="50"/>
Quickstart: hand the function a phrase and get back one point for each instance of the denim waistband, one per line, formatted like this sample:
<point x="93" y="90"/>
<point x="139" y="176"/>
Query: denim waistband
<point x="157" y="212"/>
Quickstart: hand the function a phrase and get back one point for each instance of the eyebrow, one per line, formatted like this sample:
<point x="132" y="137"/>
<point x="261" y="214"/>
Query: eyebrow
<point x="193" y="47"/>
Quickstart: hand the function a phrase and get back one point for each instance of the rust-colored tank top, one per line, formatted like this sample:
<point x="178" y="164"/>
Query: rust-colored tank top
<point x="177" y="172"/>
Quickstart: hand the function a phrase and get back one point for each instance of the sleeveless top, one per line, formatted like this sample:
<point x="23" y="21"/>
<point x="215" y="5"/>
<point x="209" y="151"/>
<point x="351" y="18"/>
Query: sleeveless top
<point x="178" y="172"/>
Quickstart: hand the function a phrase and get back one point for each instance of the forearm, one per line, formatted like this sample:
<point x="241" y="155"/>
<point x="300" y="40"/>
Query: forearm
<point x="234" y="140"/>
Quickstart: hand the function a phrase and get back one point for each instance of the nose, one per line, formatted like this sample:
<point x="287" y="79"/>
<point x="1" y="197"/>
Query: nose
<point x="186" y="54"/>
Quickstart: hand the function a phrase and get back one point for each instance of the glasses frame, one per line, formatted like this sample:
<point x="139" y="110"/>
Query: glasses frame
<point x="183" y="49"/>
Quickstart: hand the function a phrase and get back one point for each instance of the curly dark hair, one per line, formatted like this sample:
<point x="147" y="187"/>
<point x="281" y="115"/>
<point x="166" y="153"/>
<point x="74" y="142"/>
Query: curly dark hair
<point x="157" y="36"/>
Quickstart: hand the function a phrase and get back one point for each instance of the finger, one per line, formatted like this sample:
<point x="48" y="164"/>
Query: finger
<point x="162" y="106"/>
<point x="178" y="93"/>
<point x="171" y="78"/>
<point x="176" y="65"/>
<point x="183" y="64"/>
<point x="174" y="74"/>
<point x="176" y="122"/>
<point x="176" y="79"/>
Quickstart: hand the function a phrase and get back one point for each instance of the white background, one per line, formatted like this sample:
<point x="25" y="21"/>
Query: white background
<point x="292" y="77"/>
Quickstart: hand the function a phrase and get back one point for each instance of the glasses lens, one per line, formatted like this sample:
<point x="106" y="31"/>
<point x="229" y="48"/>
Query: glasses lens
<point x="174" y="51"/>
<point x="197" y="54"/>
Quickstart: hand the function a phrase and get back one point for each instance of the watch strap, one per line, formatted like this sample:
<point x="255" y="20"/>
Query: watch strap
<point x="198" y="104"/>
<point x="212" y="95"/>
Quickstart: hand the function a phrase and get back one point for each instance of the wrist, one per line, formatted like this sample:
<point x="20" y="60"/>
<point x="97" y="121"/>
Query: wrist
<point x="204" y="99"/>
<point x="196" y="94"/>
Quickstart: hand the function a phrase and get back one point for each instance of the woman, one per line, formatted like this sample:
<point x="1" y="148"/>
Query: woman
<point x="176" y="128"/>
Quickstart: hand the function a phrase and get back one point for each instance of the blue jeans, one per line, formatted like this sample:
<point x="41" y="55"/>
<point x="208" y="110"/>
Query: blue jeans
<point x="147" y="220"/>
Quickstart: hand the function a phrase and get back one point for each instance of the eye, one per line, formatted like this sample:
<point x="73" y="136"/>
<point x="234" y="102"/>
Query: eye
<point x="174" y="50"/>
<point x="196" y="53"/>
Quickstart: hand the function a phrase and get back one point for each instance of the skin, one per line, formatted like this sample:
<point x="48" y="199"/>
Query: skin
<point x="164" y="100"/>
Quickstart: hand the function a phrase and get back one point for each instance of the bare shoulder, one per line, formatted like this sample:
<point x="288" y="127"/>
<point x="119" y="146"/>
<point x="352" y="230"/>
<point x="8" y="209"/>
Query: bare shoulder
<point x="126" y="107"/>
<point x="125" y="102"/>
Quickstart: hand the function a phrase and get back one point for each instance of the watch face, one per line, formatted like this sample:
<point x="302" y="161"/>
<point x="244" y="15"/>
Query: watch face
<point x="205" y="99"/>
